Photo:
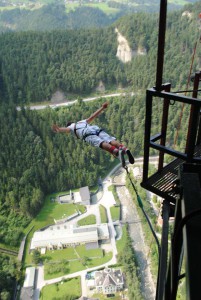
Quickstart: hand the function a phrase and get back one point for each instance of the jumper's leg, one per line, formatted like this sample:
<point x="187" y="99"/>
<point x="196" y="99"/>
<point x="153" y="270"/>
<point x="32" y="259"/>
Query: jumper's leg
<point x="125" y="150"/>
<point x="109" y="148"/>
<point x="113" y="148"/>
<point x="115" y="143"/>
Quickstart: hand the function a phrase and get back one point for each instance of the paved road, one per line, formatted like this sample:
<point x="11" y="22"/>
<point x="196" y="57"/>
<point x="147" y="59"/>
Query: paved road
<point x="67" y="103"/>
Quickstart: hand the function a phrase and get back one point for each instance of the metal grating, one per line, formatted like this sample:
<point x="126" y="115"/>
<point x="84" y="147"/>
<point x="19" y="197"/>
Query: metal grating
<point x="163" y="183"/>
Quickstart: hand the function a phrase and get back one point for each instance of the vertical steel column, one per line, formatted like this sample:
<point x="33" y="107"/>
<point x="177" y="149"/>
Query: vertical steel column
<point x="147" y="134"/>
<point x="166" y="105"/>
<point x="160" y="292"/>
<point x="196" y="85"/>
<point x="193" y="123"/>
<point x="172" y="278"/>
<point x="161" y="44"/>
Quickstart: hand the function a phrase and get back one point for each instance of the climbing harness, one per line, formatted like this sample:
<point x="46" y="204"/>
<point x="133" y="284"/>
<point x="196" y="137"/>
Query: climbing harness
<point x="97" y="132"/>
<point x="142" y="208"/>
<point x="75" y="129"/>
<point x="89" y="134"/>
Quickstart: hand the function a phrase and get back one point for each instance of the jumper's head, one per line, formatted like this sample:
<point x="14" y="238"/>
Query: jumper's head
<point x="69" y="123"/>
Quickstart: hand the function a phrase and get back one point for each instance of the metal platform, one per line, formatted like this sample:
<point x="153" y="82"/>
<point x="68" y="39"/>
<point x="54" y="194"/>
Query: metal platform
<point x="165" y="182"/>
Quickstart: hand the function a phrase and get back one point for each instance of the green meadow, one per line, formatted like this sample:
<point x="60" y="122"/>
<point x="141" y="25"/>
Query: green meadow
<point x="67" y="261"/>
<point x="72" y="287"/>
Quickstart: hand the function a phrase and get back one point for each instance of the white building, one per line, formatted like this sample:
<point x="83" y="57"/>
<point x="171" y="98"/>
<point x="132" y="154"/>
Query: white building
<point x="82" y="197"/>
<point x="62" y="236"/>
<point x="109" y="281"/>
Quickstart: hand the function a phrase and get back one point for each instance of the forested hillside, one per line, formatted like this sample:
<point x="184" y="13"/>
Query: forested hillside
<point x="181" y="35"/>
<point x="52" y="17"/>
<point x="35" y="65"/>
<point x="53" y="14"/>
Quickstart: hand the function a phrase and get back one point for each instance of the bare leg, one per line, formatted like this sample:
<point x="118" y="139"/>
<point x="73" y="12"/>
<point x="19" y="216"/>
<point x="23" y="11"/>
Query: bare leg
<point x="113" y="148"/>
<point x="105" y="146"/>
<point x="115" y="143"/>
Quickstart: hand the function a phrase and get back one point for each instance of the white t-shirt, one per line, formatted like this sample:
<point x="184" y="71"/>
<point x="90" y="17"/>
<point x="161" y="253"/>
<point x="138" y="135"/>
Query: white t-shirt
<point x="82" y="127"/>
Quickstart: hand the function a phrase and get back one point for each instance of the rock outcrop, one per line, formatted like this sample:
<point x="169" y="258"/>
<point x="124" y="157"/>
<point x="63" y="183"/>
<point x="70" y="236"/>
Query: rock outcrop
<point x="124" y="52"/>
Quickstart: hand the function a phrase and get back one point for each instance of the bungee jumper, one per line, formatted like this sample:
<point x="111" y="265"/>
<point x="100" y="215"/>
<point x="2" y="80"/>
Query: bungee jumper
<point x="95" y="136"/>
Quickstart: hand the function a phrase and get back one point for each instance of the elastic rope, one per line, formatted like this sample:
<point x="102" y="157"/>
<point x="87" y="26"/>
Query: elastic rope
<point x="182" y="110"/>
<point x="141" y="206"/>
<point x="189" y="91"/>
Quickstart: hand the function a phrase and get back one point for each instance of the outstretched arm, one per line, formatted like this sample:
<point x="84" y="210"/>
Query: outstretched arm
<point x="97" y="113"/>
<point x="57" y="129"/>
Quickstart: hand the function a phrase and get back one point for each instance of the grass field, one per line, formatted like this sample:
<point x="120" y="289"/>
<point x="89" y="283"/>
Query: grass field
<point x="122" y="242"/>
<point x="102" y="6"/>
<point x="94" y="257"/>
<point x="89" y="220"/>
<point x="103" y="214"/>
<point x="71" y="253"/>
<point x="179" y="2"/>
<point x="115" y="213"/>
<point x="50" y="211"/>
<point x="62" y="289"/>
<point x="118" y="296"/>
<point x="53" y="210"/>
<point x="72" y="6"/>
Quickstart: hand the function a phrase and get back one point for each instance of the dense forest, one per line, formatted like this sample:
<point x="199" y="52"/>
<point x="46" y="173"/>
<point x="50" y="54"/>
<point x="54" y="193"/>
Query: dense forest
<point x="35" y="65"/>
<point x="9" y="271"/>
<point x="33" y="160"/>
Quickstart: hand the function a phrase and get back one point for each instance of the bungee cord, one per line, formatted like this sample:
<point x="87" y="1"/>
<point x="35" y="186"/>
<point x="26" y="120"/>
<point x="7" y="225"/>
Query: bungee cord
<point x="142" y="208"/>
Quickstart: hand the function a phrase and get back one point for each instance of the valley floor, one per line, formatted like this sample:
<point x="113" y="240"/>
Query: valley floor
<point x="130" y="216"/>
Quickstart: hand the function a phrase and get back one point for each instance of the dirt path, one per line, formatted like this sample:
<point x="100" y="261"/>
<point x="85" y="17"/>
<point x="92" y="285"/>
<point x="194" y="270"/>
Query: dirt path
<point x="129" y="214"/>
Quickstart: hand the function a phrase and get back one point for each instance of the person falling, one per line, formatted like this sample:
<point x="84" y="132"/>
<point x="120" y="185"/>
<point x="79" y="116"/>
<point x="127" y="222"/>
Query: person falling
<point x="96" y="136"/>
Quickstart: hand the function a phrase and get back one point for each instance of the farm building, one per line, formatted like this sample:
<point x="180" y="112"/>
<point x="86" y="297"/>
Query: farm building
<point x="62" y="236"/>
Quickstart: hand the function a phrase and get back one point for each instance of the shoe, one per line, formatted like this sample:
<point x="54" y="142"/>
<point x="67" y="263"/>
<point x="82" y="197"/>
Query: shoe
<point x="130" y="157"/>
<point x="122" y="147"/>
